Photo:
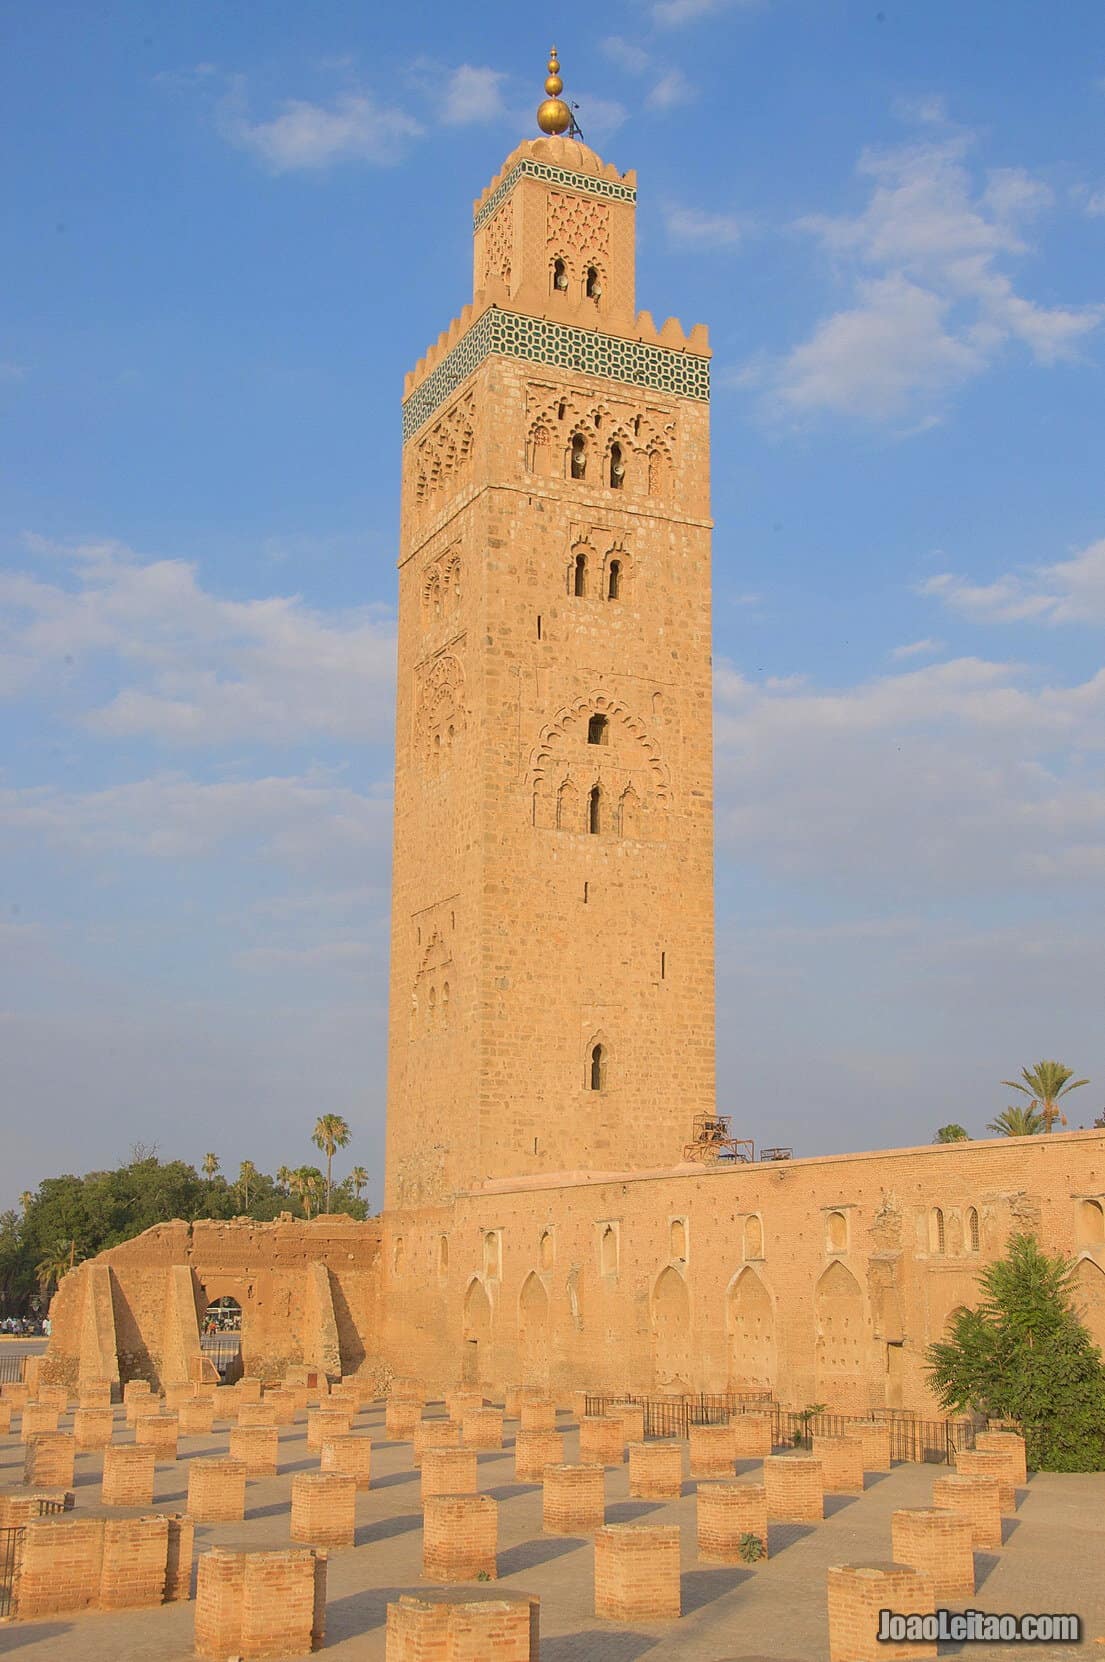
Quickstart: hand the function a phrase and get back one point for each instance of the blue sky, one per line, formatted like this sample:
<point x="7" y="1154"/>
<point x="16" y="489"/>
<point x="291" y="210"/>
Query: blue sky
<point x="230" y="230"/>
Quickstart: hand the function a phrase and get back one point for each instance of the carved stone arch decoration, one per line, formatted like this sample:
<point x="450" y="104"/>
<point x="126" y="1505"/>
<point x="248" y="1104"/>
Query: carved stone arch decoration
<point x="569" y="728"/>
<point x="591" y="569"/>
<point x="444" y="450"/>
<point x="441" y="715"/>
<point x="597" y="1070"/>
<point x="451" y="576"/>
<point x="658" y="465"/>
<point x="617" y="572"/>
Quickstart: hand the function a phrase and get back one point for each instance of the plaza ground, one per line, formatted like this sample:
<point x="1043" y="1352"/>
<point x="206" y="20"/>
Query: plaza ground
<point x="1052" y="1560"/>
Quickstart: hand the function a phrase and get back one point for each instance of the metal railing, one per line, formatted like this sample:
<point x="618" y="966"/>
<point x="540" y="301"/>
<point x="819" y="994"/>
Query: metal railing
<point x="12" y="1369"/>
<point x="10" y="1541"/>
<point x="674" y="1416"/>
<point x="221" y="1348"/>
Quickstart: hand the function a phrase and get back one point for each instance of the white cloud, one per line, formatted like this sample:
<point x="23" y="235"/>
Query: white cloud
<point x="932" y="306"/>
<point x="670" y="87"/>
<point x="190" y="667"/>
<point x="1069" y="591"/>
<point x="691" y="228"/>
<point x="626" y="54"/>
<point x="12" y="372"/>
<point x="671" y="90"/>
<point x="306" y="136"/>
<point x="916" y="649"/>
<point x="473" y="94"/>
<point x="673" y="14"/>
<point x="599" y="116"/>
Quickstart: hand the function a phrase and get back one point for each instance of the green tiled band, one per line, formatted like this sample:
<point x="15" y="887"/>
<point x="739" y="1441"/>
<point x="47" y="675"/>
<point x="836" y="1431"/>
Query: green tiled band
<point x="588" y="183"/>
<point x="659" y="368"/>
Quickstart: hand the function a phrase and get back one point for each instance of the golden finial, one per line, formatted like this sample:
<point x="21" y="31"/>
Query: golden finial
<point x="554" y="116"/>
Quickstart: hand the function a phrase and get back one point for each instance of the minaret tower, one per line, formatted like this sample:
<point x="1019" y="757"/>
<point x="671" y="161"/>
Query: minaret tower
<point x="552" y="968"/>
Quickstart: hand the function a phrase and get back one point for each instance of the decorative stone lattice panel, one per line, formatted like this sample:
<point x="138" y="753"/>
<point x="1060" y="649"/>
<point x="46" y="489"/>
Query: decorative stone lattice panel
<point x="586" y="182"/>
<point x="499" y="245"/>
<point x="578" y="223"/>
<point x="444" y="451"/>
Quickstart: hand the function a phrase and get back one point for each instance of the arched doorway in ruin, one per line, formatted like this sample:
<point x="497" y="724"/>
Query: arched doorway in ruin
<point x="671" y="1332"/>
<point x="223" y="1313"/>
<point x="533" y="1332"/>
<point x="840" y="1348"/>
<point x="751" y="1323"/>
<point x="476" y="1334"/>
<point x="1089" y="1299"/>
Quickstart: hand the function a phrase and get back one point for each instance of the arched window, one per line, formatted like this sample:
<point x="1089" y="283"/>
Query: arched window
<point x="836" y="1232"/>
<point x="592" y="286"/>
<point x="546" y="1250"/>
<point x="617" y="468"/>
<point x="560" y="277"/>
<point x="445" y="1005"/>
<point x="936" y="1230"/>
<point x="442" y="1254"/>
<point x="678" y="1241"/>
<point x="972" y="1229"/>
<point x="1091" y="1223"/>
<point x="579" y="576"/>
<point x="598" y="1067"/>
<point x="431" y="1007"/>
<point x="608" y="1251"/>
<point x="579" y="457"/>
<point x="753" y="1238"/>
<point x="560" y="410"/>
<point x="597" y="730"/>
<point x="594" y="811"/>
<point x="614" y="580"/>
<point x="491" y="1255"/>
<point x="398" y="1254"/>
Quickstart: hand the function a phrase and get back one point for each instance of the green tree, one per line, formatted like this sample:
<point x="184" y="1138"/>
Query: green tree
<point x="1017" y="1121"/>
<point x="331" y="1133"/>
<point x="1024" y="1355"/>
<point x="307" y="1182"/>
<point x="57" y="1262"/>
<point x="210" y="1165"/>
<point x="25" y="1200"/>
<point x="1045" y="1085"/>
<point x="284" y="1176"/>
<point x="247" y="1172"/>
<point x="952" y="1133"/>
<point x="358" y="1180"/>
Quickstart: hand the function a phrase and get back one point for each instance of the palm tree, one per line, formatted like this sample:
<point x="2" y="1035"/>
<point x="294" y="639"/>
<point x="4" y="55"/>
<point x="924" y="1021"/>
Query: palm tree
<point x="952" y="1133"/>
<point x="359" y="1179"/>
<point x="331" y="1133"/>
<point x="1017" y="1121"/>
<point x="304" y="1182"/>
<point x="1044" y="1085"/>
<point x="247" y="1171"/>
<point x="25" y="1200"/>
<point x="284" y="1176"/>
<point x="57" y="1262"/>
<point x="210" y="1165"/>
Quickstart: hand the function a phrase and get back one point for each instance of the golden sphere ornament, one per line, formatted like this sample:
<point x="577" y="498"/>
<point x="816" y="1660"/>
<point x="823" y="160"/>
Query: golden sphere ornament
<point x="553" y="115"/>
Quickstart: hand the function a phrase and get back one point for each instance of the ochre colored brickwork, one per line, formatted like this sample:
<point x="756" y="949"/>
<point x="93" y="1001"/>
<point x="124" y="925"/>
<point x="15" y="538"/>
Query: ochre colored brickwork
<point x="460" y="1536"/>
<point x="751" y="1436"/>
<point x="217" y="1490"/>
<point x="712" y="1452"/>
<point x="49" y="1460"/>
<point x="656" y="1471"/>
<point x="195" y="1417"/>
<point x="135" y="1554"/>
<point x="257" y="1447"/>
<point x="637" y="1573"/>
<point x="457" y="1403"/>
<point x="128" y="1475"/>
<point x="534" y="1450"/>
<point x="94" y="1393"/>
<point x="1011" y="1445"/>
<point x="68" y="1564"/>
<point x="537" y="1414"/>
<point x="324" y="1508"/>
<point x="59" y="1567"/>
<point x="601" y="1440"/>
<point x="490" y="1630"/>
<point x="875" y="1437"/>
<point x="93" y="1427"/>
<point x="5" y="1417"/>
<point x="401" y="1415"/>
<point x="448" y="1471"/>
<point x="726" y="1514"/>
<point x="159" y="1432"/>
<point x="841" y="1463"/>
<point x="434" y="1434"/>
<point x="482" y="1428"/>
<point x="795" y="1489"/>
<point x="857" y="1592"/>
<point x="351" y="1454"/>
<point x="36" y="1417"/>
<point x="255" y="1605"/>
<point x="632" y="1417"/>
<point x="979" y="1499"/>
<point x="940" y="1542"/>
<point x="573" y="1499"/>
<point x="977" y="1463"/>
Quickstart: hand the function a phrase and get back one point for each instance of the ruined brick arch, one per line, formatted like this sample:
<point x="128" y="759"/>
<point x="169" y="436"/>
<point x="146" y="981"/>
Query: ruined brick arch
<point x="569" y="727"/>
<point x="841" y="1346"/>
<point x="671" y="1331"/>
<point x="533" y="1330"/>
<point x="750" y="1320"/>
<point x="1089" y="1298"/>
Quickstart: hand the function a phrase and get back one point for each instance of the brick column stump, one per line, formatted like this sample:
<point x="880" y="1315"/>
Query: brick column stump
<point x="1009" y="1443"/>
<point x="482" y="1428"/>
<point x="5" y="1418"/>
<point x="460" y="1537"/>
<point x="751" y="1436"/>
<point x="970" y="1462"/>
<point x="49" y="1459"/>
<point x="601" y="1441"/>
<point x="284" y="1405"/>
<point x="323" y="1423"/>
<point x="92" y="1427"/>
<point x="712" y="1451"/>
<point x="159" y="1432"/>
<point x="512" y="1400"/>
<point x="939" y="1541"/>
<point x="574" y="1500"/>
<point x="249" y="1388"/>
<point x="55" y="1396"/>
<point x="217" y="1490"/>
<point x="180" y="1390"/>
<point x="726" y="1513"/>
<point x="448" y="1471"/>
<point x="351" y="1454"/>
<point x="875" y="1437"/>
<point x="841" y="1463"/>
<point x="857" y="1592"/>
<point x="656" y="1471"/>
<point x="59" y="1567"/>
<point x="457" y="1403"/>
<point x="476" y="1630"/>
<point x="434" y="1434"/>
<point x="128" y="1475"/>
<point x="324" y="1508"/>
<point x="178" y="1557"/>
<point x="632" y="1417"/>
<point x="134" y="1392"/>
<point x="260" y="1604"/>
<point x="533" y="1451"/>
<point x="401" y="1415"/>
<point x="257" y="1446"/>
<point x="795" y="1489"/>
<point x="195" y="1418"/>
<point x="36" y="1417"/>
<point x="135" y="1554"/>
<point x="537" y="1414"/>
<point x="408" y="1388"/>
<point x="637" y="1573"/>
<point x="979" y="1498"/>
<point x="260" y="1413"/>
<point x="94" y="1393"/>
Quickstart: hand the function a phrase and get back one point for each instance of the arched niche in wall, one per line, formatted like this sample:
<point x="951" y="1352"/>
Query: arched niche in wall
<point x="750" y="1321"/>
<point x="533" y="1331"/>
<point x="841" y="1341"/>
<point x="671" y="1331"/>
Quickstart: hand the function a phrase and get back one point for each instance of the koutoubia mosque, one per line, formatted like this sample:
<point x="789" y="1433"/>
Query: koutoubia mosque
<point x="563" y="1204"/>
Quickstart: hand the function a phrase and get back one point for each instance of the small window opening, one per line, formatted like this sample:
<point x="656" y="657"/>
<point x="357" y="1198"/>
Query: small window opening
<point x="560" y="276"/>
<point x="614" y="580"/>
<point x="598" y="1068"/>
<point x="972" y="1229"/>
<point x="594" y="811"/>
<point x="617" y="468"/>
<point x="597" y="730"/>
<point x="539" y="626"/>
<point x="636" y="426"/>
<point x="579" y="457"/>
<point x="593" y="286"/>
<point x="663" y="966"/>
<point x="579" y="586"/>
<point x="586" y="892"/>
<point x="936" y="1231"/>
<point x="560" y="410"/>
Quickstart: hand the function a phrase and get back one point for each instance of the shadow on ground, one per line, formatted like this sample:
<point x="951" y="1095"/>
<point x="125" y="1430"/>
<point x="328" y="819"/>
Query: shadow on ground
<point x="531" y="1553"/>
<point x="702" y="1587"/>
<point x="607" y="1642"/>
<point x="384" y="1528"/>
<point x="624" y="1511"/>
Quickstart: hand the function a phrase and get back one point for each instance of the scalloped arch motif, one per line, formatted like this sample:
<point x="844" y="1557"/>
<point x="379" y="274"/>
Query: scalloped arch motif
<point x="544" y="761"/>
<point x="445" y="450"/>
<point x="647" y="437"/>
<point x="579" y="223"/>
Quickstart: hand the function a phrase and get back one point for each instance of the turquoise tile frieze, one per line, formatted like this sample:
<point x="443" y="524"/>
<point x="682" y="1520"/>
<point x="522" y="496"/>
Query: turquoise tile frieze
<point x="586" y="182"/>
<point x="559" y="346"/>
